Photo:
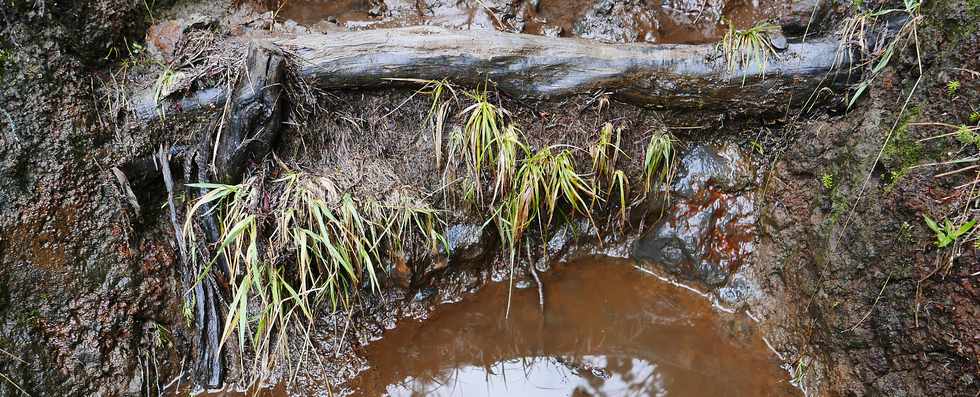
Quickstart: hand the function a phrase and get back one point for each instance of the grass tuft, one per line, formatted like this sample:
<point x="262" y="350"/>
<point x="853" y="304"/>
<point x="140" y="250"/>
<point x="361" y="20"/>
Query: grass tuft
<point x="752" y="46"/>
<point x="484" y="125"/>
<point x="658" y="161"/>
<point x="854" y="40"/>
<point x="323" y="246"/>
<point x="605" y="152"/>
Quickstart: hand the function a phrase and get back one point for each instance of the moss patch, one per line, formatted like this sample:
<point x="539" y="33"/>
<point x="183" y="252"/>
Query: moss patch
<point x="902" y="151"/>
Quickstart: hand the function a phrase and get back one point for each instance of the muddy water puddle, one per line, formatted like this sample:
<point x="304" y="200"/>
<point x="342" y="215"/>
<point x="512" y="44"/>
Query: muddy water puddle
<point x="608" y="330"/>
<point x="652" y="21"/>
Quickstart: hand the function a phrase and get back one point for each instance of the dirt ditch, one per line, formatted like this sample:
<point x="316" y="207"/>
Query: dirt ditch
<point x="682" y="22"/>
<point x="789" y="236"/>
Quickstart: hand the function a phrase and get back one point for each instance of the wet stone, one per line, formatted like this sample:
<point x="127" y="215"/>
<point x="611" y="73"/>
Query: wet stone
<point x="466" y="242"/>
<point x="804" y="15"/>
<point x="778" y="41"/>
<point x="424" y="294"/>
<point x="710" y="225"/>
<point x="609" y="20"/>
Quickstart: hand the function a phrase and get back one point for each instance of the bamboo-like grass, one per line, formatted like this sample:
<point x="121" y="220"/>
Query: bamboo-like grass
<point x="605" y="155"/>
<point x="299" y="243"/>
<point x="658" y="161"/>
<point x="752" y="46"/>
<point x="324" y="245"/>
<point x="484" y="124"/>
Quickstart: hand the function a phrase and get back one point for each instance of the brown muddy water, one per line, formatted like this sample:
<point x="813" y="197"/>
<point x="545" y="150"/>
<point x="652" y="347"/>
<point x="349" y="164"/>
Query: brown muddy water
<point x="608" y="329"/>
<point x="652" y="21"/>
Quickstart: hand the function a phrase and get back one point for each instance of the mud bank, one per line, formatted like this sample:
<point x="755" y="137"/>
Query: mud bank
<point x="809" y="222"/>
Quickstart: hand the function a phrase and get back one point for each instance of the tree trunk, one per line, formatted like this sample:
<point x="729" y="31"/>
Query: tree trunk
<point x="526" y="66"/>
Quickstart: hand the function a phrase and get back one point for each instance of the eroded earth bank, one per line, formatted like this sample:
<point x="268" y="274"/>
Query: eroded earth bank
<point x="597" y="197"/>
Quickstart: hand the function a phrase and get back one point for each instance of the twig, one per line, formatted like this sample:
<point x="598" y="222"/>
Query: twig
<point x="958" y="171"/>
<point x="957" y="161"/>
<point x="873" y="305"/>
<point x="534" y="273"/>
<point x="813" y="15"/>
<point x="168" y="180"/>
<point x="350" y="313"/>
<point x="126" y="188"/>
<point x="700" y="11"/>
<point x="177" y="380"/>
<point x="972" y="72"/>
<point x="13" y="383"/>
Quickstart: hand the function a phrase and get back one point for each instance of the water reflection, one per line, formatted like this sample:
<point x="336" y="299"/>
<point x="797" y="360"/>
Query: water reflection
<point x="542" y="376"/>
<point x="608" y="330"/>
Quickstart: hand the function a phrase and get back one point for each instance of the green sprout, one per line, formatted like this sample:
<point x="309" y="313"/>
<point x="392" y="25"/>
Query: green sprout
<point x="947" y="233"/>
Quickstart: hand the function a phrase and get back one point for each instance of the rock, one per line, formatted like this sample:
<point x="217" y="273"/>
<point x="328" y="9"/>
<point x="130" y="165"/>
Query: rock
<point x="466" y="242"/>
<point x="726" y="169"/>
<point x="162" y="39"/>
<point x="739" y="289"/>
<point x="610" y="21"/>
<point x="711" y="222"/>
<point x="778" y="41"/>
<point x="803" y="14"/>
<point x="425" y="293"/>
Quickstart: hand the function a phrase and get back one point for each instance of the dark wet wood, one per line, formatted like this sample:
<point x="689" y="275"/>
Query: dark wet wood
<point x="527" y="66"/>
<point x="254" y="115"/>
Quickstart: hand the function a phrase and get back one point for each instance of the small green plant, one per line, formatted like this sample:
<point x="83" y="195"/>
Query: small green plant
<point x="827" y="180"/>
<point x="605" y="152"/>
<point x="838" y="204"/>
<point x="800" y="371"/>
<point x="967" y="136"/>
<point x="162" y="89"/>
<point x="947" y="233"/>
<point x="483" y="126"/>
<point x="853" y="35"/>
<point x="975" y="117"/>
<point x="905" y="232"/>
<point x="952" y="87"/>
<point x="658" y="161"/>
<point x="751" y="46"/>
<point x="620" y="186"/>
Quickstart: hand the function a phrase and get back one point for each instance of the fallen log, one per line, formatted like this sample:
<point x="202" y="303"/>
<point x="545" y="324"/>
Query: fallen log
<point x="527" y="66"/>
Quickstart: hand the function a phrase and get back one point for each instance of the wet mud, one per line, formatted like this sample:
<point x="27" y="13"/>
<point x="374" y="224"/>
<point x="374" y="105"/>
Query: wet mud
<point x="674" y="21"/>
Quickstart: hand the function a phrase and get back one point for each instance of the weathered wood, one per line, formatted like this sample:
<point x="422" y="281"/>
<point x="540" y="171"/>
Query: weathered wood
<point x="673" y="76"/>
<point x="692" y="76"/>
<point x="253" y="118"/>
